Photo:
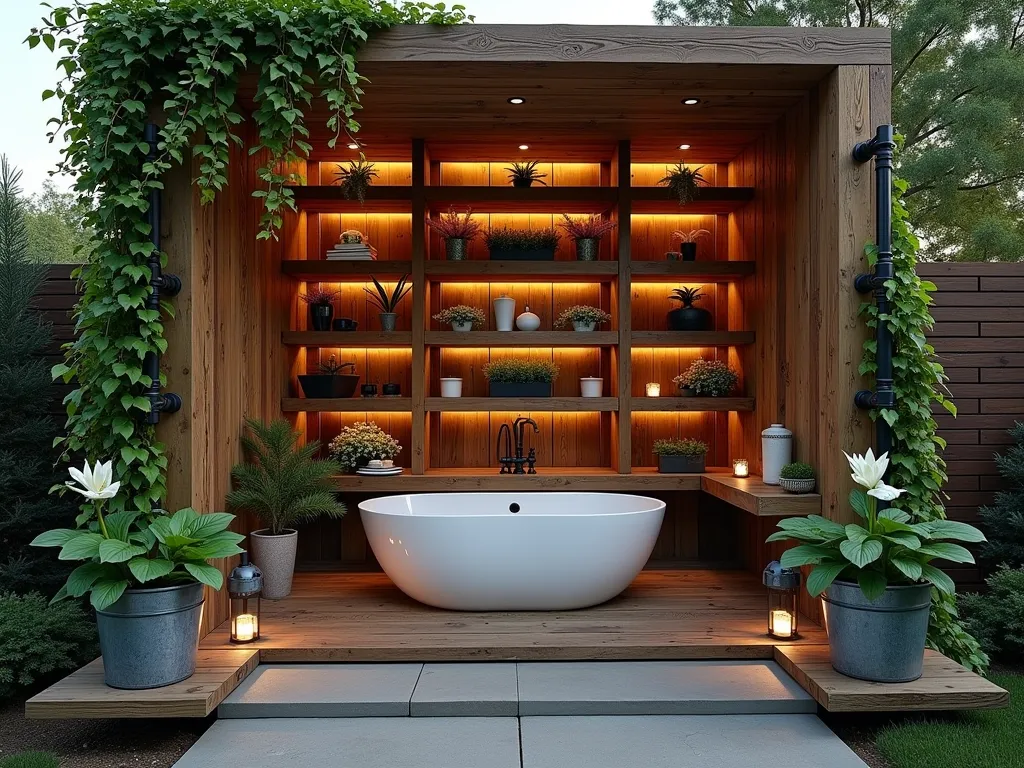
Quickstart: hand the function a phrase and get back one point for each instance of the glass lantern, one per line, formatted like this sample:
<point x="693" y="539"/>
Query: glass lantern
<point x="783" y="587"/>
<point x="740" y="468"/>
<point x="244" y="586"/>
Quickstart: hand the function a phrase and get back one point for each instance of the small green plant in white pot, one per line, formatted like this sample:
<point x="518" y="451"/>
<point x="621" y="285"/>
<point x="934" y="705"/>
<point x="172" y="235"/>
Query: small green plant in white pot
<point x="582" y="318"/>
<point x="876" y="576"/>
<point x="461" y="317"/>
<point x="358" y="445"/>
<point x="680" y="456"/>
<point x="797" y="477"/>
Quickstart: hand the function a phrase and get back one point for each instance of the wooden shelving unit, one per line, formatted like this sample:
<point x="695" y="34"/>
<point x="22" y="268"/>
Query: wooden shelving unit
<point x="691" y="404"/>
<point x="521" y="339"/>
<point x="340" y="271"/>
<point x="346" y="338"/>
<point x="521" y="404"/>
<point x="704" y="271"/>
<point x="523" y="271"/>
<point x="692" y="338"/>
<point x="347" y="405"/>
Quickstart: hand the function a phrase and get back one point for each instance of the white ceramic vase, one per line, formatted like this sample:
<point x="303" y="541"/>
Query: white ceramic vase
<point x="528" y="321"/>
<point x="275" y="557"/>
<point x="463" y="327"/>
<point x="504" y="313"/>
<point x="591" y="386"/>
<point x="451" y="387"/>
<point x="580" y="325"/>
<point x="776" y="452"/>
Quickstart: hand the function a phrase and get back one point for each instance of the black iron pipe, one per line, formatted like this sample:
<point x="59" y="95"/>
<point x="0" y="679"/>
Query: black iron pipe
<point x="881" y="148"/>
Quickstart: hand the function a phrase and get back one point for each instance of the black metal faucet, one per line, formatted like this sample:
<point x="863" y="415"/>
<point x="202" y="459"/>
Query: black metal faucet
<point x="514" y="464"/>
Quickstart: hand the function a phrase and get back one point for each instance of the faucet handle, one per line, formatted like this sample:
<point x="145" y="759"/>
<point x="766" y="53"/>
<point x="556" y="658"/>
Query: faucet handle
<point x="531" y="460"/>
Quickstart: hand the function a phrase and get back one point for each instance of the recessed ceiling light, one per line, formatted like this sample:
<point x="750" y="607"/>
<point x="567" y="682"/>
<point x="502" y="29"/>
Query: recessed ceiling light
<point x="684" y="146"/>
<point x="516" y="100"/>
<point x="691" y="101"/>
<point x="524" y="146"/>
<point x="353" y="145"/>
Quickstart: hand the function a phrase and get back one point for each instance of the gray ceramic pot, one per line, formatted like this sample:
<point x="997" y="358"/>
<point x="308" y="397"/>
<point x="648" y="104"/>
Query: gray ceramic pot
<point x="148" y="638"/>
<point x="680" y="464"/>
<point x="587" y="248"/>
<point x="275" y="557"/>
<point x="387" y="320"/>
<point x="802" y="485"/>
<point x="455" y="248"/>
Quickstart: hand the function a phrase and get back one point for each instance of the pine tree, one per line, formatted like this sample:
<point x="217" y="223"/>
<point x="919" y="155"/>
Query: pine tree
<point x="1004" y="522"/>
<point x="26" y="427"/>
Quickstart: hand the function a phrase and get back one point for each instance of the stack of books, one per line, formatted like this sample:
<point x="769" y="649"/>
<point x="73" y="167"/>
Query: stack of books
<point x="352" y="252"/>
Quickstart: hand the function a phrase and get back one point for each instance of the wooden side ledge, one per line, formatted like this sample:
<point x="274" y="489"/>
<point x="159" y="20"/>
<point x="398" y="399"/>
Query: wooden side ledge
<point x="758" y="498"/>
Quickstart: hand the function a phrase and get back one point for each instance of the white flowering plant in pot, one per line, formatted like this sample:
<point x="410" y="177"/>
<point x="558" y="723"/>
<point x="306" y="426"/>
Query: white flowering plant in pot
<point x="461" y="317"/>
<point x="358" y="445"/>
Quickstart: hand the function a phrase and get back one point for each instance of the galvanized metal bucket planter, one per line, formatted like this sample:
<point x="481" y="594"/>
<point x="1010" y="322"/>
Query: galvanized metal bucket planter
<point x="149" y="637"/>
<point x="275" y="556"/>
<point x="881" y="641"/>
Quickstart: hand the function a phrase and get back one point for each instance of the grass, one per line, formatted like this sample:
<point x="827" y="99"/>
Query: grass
<point x="30" y="760"/>
<point x="985" y="738"/>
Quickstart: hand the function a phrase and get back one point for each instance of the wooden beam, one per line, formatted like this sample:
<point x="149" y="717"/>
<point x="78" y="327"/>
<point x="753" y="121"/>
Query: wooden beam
<point x="420" y="304"/>
<point x="622" y="421"/>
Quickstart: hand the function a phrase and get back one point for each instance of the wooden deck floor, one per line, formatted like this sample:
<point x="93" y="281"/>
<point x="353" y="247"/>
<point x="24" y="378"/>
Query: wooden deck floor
<point x="663" y="615"/>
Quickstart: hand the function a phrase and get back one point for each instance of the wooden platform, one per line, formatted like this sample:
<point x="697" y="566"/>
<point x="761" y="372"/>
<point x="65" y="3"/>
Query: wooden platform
<point x="945" y="685"/>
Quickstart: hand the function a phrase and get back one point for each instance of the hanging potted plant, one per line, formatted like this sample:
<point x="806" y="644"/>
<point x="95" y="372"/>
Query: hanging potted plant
<point x="525" y="174"/>
<point x="587" y="234"/>
<point x="321" y="307"/>
<point x="144" y="573"/>
<point x="707" y="378"/>
<point x="876" y="575"/>
<point x="683" y="182"/>
<point x="522" y="244"/>
<point x="461" y="317"/>
<point x="520" y="378"/>
<point x="582" y="318"/>
<point x="797" y="477"/>
<point x="457" y="230"/>
<point x="356" y="179"/>
<point x="680" y="456"/>
<point x="688" y="317"/>
<point x="283" y="484"/>
<point x="330" y="382"/>
<point x="386" y="302"/>
<point x="688" y="242"/>
<point x="358" y="445"/>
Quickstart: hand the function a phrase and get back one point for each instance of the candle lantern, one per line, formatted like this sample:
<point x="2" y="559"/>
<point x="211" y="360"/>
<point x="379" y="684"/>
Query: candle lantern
<point x="654" y="389"/>
<point x="783" y="585"/>
<point x="244" y="586"/>
<point x="740" y="468"/>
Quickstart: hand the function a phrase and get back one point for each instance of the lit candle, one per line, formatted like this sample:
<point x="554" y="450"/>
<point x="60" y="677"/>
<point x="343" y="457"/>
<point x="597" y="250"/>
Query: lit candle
<point x="740" y="468"/>
<point x="245" y="627"/>
<point x="782" y="624"/>
<point x="654" y="389"/>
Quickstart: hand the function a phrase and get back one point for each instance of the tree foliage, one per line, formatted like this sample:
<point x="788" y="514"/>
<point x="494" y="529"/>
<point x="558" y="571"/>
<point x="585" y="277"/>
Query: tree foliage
<point x="958" y="99"/>
<point x="1004" y="521"/>
<point x="55" y="221"/>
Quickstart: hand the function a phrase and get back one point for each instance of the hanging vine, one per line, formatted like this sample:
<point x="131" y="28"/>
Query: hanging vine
<point x="125" y="63"/>
<point x="918" y="382"/>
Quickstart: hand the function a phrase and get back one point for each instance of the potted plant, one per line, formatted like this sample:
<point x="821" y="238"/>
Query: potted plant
<point x="524" y="174"/>
<point x="358" y="445"/>
<point x="144" y="573"/>
<point x="330" y="382"/>
<point x="522" y="244"/>
<point x="520" y="378"/>
<point x="283" y="484"/>
<point x="688" y="317"/>
<point x="587" y="234"/>
<point x="582" y="318"/>
<point x="688" y="242"/>
<point x="709" y="378"/>
<point x="321" y="307"/>
<point x="682" y="182"/>
<point x="680" y="456"/>
<point x="386" y="302"/>
<point x="356" y="179"/>
<point x="876" y="574"/>
<point x="797" y="477"/>
<point x="457" y="230"/>
<point x="461" y="317"/>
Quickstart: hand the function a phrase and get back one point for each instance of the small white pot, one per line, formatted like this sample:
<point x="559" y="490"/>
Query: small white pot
<point x="463" y="327"/>
<point x="591" y="386"/>
<point x="504" y="313"/>
<point x="579" y="325"/>
<point x="451" y="387"/>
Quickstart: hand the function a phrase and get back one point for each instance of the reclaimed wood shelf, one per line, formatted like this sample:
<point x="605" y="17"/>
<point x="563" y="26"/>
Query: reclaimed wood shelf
<point x="336" y="271"/>
<point x="692" y="338"/>
<point x="83" y="694"/>
<point x="509" y="199"/>
<point x="347" y="405"/>
<point x="346" y="338"/>
<point x="945" y="685"/>
<point x="331" y="199"/>
<point x="677" y="403"/>
<point x="521" y="404"/>
<point x="522" y="339"/>
<point x="691" y="271"/>
<point x="544" y="271"/>
<point x="708" y="200"/>
<point x="753" y="495"/>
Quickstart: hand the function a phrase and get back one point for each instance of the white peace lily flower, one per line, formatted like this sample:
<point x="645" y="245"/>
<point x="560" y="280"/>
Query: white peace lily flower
<point x="885" y="492"/>
<point x="95" y="481"/>
<point x="867" y="470"/>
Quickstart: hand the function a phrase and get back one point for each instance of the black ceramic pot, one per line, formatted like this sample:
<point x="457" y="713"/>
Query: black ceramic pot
<point x="689" y="319"/>
<point x="522" y="182"/>
<point x="680" y="464"/>
<point x="319" y="386"/>
<point x="320" y="316"/>
<point x="519" y="388"/>
<point x="687" y="391"/>
<point x="368" y="390"/>
<point x="391" y="390"/>
<point x="689" y="251"/>
<point x="345" y="324"/>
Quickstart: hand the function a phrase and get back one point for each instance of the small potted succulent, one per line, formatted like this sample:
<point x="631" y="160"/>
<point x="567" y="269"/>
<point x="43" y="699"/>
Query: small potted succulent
<point x="797" y="477"/>
<point x="355" y="180"/>
<point x="386" y="302"/>
<point x="688" y="242"/>
<point x="587" y="234"/>
<point x="679" y="456"/>
<point x="521" y="244"/>
<point x="683" y="182"/>
<point x="688" y="317"/>
<point x="525" y="174"/>
<point x="707" y="378"/>
<point x="321" y="307"/>
<point x="331" y="381"/>
<point x="358" y="445"/>
<point x="582" y="318"/>
<point x="461" y="317"/>
<point x="457" y="229"/>
<point x="520" y="378"/>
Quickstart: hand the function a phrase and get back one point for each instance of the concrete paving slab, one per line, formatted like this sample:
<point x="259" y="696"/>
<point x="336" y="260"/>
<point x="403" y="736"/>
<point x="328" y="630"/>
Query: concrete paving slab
<point x="324" y="690"/>
<point x="390" y="742"/>
<point x="672" y="741"/>
<point x="466" y="690"/>
<point x="659" y="688"/>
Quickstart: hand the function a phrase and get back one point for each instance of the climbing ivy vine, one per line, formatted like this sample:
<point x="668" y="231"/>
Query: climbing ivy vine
<point x="918" y="382"/>
<point x="128" y="62"/>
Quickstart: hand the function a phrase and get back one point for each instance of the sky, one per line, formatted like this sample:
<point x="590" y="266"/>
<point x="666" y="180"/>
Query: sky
<point x="28" y="73"/>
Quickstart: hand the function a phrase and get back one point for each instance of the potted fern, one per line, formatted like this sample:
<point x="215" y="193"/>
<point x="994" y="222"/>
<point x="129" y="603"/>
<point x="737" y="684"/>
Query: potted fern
<point x="355" y="180"/>
<point x="683" y="182"/>
<point x="330" y="382"/>
<point x="283" y="484"/>
<point x="386" y="302"/>
<point x="457" y="230"/>
<point x="688" y="242"/>
<point x="587" y="233"/>
<point x="525" y="174"/>
<point x="461" y="317"/>
<point x="520" y="378"/>
<point x="688" y="317"/>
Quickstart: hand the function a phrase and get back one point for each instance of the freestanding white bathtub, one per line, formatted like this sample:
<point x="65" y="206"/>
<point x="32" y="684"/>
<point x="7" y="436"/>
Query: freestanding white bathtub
<point x="512" y="551"/>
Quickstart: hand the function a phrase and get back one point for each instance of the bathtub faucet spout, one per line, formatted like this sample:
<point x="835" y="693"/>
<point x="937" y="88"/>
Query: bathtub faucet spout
<point x="518" y="433"/>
